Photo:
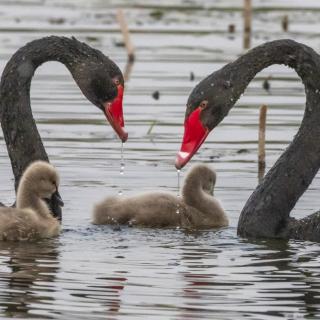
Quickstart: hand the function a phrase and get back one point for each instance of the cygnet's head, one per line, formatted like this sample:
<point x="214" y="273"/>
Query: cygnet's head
<point x="203" y="175"/>
<point x="41" y="178"/>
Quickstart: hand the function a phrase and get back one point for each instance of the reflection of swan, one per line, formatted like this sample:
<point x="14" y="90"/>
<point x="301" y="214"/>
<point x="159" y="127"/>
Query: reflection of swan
<point x="27" y="268"/>
<point x="266" y="213"/>
<point x="32" y="219"/>
<point x="99" y="79"/>
<point x="197" y="208"/>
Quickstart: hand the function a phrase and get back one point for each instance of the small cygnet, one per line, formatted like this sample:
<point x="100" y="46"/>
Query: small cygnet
<point x="32" y="219"/>
<point x="197" y="208"/>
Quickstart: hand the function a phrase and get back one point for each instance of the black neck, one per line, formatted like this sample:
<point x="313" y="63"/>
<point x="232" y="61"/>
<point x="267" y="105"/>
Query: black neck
<point x="266" y="212"/>
<point x="20" y="132"/>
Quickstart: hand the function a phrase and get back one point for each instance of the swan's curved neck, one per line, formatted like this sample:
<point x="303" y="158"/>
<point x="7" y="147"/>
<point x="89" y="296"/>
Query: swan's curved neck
<point x="266" y="212"/>
<point x="234" y="78"/>
<point x="191" y="190"/>
<point x="193" y="195"/>
<point x="21" y="135"/>
<point x="26" y="198"/>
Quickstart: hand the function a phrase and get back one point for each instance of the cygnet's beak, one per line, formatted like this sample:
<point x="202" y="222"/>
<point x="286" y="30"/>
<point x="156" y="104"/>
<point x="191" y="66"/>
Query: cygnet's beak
<point x="55" y="203"/>
<point x="57" y="198"/>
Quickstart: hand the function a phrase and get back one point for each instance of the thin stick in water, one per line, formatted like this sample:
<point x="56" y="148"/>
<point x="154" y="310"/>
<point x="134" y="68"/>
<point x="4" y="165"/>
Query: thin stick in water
<point x="262" y="141"/>
<point x="127" y="71"/>
<point x="247" y="16"/>
<point x="126" y="35"/>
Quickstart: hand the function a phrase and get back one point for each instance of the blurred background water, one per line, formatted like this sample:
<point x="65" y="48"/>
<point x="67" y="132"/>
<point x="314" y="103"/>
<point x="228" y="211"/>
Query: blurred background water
<point x="94" y="272"/>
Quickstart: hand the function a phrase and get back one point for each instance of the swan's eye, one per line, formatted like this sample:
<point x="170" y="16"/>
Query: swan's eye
<point x="116" y="81"/>
<point x="203" y="104"/>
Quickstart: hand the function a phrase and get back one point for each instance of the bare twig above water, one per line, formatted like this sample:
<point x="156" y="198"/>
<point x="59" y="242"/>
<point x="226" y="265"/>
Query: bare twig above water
<point x="126" y="35"/>
<point x="127" y="70"/>
<point x="247" y="16"/>
<point x="285" y="23"/>
<point x="261" y="142"/>
<point x="128" y="44"/>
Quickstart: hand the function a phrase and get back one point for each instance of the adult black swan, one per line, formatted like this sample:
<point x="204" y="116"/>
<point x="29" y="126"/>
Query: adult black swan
<point x="267" y="211"/>
<point x="99" y="79"/>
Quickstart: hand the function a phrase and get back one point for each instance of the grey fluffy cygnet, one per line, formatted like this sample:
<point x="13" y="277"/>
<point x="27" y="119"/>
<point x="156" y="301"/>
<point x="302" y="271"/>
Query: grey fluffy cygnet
<point x="32" y="219"/>
<point x="196" y="209"/>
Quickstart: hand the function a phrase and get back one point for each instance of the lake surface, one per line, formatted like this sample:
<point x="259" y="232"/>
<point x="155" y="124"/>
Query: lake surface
<point x="98" y="272"/>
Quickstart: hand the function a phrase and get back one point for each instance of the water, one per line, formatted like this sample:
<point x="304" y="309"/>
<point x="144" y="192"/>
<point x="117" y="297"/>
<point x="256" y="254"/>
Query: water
<point x="99" y="272"/>
<point x="178" y="191"/>
<point x="122" y="165"/>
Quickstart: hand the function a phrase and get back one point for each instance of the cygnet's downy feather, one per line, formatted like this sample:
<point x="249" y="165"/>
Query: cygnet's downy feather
<point x="197" y="208"/>
<point x="31" y="219"/>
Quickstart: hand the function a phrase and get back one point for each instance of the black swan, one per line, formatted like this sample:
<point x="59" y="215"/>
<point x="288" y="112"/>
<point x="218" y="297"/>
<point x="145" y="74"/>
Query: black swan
<point x="98" y="77"/>
<point x="267" y="211"/>
<point x="196" y="209"/>
<point x="32" y="219"/>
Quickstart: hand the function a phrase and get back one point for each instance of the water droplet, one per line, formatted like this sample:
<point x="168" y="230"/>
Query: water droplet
<point x="178" y="192"/>
<point x="122" y="165"/>
<point x="178" y="228"/>
<point x="178" y="174"/>
<point x="120" y="193"/>
<point x="122" y="168"/>
<point x="114" y="221"/>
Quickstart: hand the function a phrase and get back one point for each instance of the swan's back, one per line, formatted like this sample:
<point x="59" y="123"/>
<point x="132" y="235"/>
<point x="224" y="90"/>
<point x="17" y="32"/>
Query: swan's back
<point x="18" y="224"/>
<point x="152" y="209"/>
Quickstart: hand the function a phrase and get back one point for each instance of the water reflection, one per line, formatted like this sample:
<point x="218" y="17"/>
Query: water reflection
<point x="112" y="289"/>
<point x="261" y="278"/>
<point x="27" y="276"/>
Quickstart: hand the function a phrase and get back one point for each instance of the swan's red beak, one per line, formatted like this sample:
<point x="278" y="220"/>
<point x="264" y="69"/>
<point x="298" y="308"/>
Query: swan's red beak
<point x="194" y="135"/>
<point x="114" y="113"/>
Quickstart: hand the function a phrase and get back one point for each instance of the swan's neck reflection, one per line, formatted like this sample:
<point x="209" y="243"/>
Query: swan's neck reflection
<point x="23" y="267"/>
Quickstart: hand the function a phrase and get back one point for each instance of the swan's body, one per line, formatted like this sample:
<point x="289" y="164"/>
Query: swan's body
<point x="32" y="219"/>
<point x="98" y="77"/>
<point x="267" y="211"/>
<point x="197" y="208"/>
